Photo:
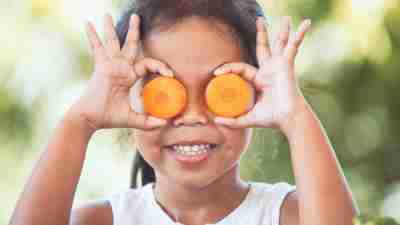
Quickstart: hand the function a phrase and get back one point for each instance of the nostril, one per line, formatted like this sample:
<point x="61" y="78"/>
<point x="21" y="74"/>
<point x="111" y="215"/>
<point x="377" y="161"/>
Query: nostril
<point x="191" y="119"/>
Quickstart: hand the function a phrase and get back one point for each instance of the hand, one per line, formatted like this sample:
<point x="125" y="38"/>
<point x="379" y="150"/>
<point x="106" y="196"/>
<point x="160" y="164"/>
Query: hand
<point x="105" y="103"/>
<point x="275" y="81"/>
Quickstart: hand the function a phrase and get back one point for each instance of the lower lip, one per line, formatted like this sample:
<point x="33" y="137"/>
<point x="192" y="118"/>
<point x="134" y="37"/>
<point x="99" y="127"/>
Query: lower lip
<point x="193" y="158"/>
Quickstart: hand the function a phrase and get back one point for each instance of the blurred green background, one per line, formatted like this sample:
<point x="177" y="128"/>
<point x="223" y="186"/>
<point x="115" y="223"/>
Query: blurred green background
<point x="347" y="66"/>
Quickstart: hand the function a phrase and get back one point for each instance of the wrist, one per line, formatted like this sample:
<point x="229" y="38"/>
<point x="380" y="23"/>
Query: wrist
<point x="75" y="116"/>
<point x="298" y="115"/>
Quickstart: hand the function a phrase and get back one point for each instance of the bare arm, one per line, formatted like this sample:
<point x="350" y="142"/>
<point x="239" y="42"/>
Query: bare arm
<point x="48" y="196"/>
<point x="322" y="191"/>
<point x="49" y="192"/>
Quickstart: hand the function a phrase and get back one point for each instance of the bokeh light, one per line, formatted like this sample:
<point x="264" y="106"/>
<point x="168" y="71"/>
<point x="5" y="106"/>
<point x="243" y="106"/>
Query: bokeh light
<point x="348" y="68"/>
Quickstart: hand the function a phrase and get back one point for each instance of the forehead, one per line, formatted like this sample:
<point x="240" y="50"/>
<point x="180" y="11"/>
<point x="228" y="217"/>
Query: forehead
<point x="194" y="46"/>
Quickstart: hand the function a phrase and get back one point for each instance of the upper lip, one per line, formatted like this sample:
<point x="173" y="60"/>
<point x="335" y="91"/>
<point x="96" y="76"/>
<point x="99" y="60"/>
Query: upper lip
<point x="190" y="142"/>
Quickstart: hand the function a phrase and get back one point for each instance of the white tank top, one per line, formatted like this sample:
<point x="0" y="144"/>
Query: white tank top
<point x="261" y="206"/>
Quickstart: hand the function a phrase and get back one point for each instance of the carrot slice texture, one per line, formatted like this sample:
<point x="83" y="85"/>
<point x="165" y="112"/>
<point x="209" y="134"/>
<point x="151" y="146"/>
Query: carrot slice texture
<point x="164" y="97"/>
<point x="229" y="95"/>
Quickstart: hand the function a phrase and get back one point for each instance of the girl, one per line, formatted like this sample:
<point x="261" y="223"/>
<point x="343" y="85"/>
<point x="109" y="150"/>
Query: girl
<point x="192" y="41"/>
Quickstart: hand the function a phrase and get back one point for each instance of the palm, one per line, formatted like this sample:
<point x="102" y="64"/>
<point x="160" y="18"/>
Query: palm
<point x="274" y="80"/>
<point x="115" y="105"/>
<point x="105" y="102"/>
<point x="277" y="98"/>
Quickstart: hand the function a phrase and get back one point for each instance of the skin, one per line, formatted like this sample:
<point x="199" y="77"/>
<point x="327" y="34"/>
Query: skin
<point x="322" y="195"/>
<point x="193" y="195"/>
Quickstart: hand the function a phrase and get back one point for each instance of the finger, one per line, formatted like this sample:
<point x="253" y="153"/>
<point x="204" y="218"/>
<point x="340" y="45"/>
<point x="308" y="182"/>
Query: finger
<point x="263" y="49"/>
<point x="245" y="70"/>
<point x="145" y="122"/>
<point x="283" y="35"/>
<point x="123" y="81"/>
<point x="112" y="42"/>
<point x="241" y="122"/>
<point x="148" y="65"/>
<point x="96" y="47"/>
<point x="131" y="44"/>
<point x="297" y="39"/>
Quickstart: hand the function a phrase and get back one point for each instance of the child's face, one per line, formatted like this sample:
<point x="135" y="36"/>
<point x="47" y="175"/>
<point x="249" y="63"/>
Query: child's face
<point x="193" y="49"/>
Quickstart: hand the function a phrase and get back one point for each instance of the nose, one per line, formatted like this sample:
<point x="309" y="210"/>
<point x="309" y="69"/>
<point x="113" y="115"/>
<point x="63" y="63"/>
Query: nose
<point x="194" y="114"/>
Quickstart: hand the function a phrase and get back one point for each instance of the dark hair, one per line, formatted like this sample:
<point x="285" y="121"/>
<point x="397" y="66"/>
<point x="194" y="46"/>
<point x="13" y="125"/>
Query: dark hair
<point x="239" y="15"/>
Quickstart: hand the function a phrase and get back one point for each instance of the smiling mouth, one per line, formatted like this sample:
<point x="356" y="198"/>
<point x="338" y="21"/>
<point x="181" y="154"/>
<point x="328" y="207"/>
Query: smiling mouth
<point x="190" y="154"/>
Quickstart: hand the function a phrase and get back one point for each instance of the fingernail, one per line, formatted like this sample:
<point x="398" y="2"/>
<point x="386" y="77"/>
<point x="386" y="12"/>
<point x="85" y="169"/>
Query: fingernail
<point x="219" y="71"/>
<point x="219" y="120"/>
<point x="132" y="19"/>
<point x="158" y="122"/>
<point x="168" y="73"/>
<point x="261" y="20"/>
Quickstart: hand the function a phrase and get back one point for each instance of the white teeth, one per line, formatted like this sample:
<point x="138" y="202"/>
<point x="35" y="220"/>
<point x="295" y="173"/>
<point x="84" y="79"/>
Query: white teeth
<point x="191" y="149"/>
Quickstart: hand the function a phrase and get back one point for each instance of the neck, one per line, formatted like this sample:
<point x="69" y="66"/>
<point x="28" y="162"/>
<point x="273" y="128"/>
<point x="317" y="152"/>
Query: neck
<point x="205" y="204"/>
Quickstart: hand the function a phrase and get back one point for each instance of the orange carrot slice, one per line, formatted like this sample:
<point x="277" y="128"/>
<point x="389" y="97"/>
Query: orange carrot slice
<point x="164" y="97"/>
<point x="229" y="95"/>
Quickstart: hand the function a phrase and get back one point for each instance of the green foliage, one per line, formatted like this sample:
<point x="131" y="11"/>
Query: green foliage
<point x="314" y="9"/>
<point x="350" y="84"/>
<point x="15" y="118"/>
<point x="374" y="220"/>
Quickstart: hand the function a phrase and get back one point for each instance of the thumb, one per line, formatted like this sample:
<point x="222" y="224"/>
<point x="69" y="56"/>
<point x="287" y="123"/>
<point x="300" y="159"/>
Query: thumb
<point x="226" y="121"/>
<point x="144" y="122"/>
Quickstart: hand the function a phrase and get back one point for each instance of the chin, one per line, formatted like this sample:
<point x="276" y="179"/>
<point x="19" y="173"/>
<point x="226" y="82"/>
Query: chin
<point x="194" y="182"/>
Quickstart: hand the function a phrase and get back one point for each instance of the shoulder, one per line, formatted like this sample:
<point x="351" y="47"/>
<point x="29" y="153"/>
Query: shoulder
<point x="92" y="213"/>
<point x="126" y="199"/>
<point x="280" y="202"/>
<point x="273" y="191"/>
<point x="105" y="210"/>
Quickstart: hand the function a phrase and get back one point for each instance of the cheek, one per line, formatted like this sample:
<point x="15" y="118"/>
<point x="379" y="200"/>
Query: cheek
<point x="237" y="141"/>
<point x="147" y="143"/>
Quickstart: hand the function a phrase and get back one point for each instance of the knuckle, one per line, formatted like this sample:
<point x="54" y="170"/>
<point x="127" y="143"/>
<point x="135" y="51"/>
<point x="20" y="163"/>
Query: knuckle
<point x="138" y="62"/>
<point x="134" y="37"/>
<point x="145" y="60"/>
<point x="145" y="124"/>
<point x="136" y="68"/>
<point x="113" y="39"/>
<point x="133" y="120"/>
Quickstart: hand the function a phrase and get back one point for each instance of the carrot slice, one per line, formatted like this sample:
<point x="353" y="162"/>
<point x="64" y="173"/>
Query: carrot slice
<point x="164" y="97"/>
<point x="229" y="95"/>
